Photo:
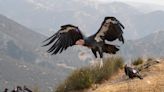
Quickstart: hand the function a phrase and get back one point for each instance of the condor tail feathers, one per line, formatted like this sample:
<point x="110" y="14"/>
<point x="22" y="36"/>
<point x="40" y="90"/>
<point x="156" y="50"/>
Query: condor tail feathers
<point x="111" y="49"/>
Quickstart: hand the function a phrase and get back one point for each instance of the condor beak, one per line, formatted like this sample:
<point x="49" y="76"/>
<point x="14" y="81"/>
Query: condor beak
<point x="80" y="42"/>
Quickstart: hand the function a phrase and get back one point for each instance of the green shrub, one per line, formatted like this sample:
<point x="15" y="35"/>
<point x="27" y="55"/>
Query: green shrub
<point x="85" y="77"/>
<point x="138" y="61"/>
<point x="111" y="66"/>
<point x="78" y="80"/>
<point x="150" y="59"/>
<point x="36" y="89"/>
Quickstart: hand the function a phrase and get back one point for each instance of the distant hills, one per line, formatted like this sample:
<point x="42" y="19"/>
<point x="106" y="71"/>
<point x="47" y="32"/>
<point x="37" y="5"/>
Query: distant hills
<point x="149" y="46"/>
<point x="146" y="24"/>
<point x="18" y="41"/>
<point x="47" y="16"/>
<point x="22" y="59"/>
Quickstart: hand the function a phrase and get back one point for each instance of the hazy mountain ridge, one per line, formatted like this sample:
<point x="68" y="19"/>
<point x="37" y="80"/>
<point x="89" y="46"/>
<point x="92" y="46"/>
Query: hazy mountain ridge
<point x="148" y="23"/>
<point x="149" y="46"/>
<point x="16" y="30"/>
<point x="47" y="17"/>
<point x="18" y="41"/>
<point x="23" y="60"/>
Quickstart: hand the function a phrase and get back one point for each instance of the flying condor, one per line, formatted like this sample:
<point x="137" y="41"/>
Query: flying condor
<point x="70" y="35"/>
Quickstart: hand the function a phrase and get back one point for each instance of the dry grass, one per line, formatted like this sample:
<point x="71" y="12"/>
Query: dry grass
<point x="36" y="89"/>
<point x="138" y="61"/>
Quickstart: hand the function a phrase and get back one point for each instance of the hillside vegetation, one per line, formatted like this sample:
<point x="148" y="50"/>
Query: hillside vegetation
<point x="83" y="78"/>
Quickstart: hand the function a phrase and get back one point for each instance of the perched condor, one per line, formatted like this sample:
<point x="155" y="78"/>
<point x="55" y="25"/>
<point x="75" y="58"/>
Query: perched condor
<point x="69" y="35"/>
<point x="27" y="89"/>
<point x="132" y="72"/>
<point x="17" y="89"/>
<point x="6" y="90"/>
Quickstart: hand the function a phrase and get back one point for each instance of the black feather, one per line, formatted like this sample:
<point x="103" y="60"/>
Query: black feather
<point x="113" y="32"/>
<point x="63" y="39"/>
<point x="121" y="25"/>
<point x="49" y="38"/>
<point x="54" y="45"/>
<point x="51" y="41"/>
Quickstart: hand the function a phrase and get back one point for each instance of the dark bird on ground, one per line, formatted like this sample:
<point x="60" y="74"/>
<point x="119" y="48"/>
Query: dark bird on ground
<point x="6" y="90"/>
<point x="27" y="89"/>
<point x="132" y="72"/>
<point x="70" y="35"/>
<point x="17" y="89"/>
<point x="13" y="90"/>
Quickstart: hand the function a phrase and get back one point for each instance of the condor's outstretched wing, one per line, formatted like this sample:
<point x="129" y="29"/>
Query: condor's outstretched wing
<point x="111" y="29"/>
<point x="65" y="37"/>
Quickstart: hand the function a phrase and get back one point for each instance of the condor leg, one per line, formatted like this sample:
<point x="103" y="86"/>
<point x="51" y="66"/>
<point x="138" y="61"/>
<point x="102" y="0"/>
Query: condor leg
<point x="101" y="57"/>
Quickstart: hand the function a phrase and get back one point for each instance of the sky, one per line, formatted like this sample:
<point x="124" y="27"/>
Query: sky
<point x="158" y="2"/>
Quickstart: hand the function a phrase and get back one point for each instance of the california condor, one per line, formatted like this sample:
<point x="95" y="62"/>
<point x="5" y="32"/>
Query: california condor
<point x="132" y="72"/>
<point x="6" y="90"/>
<point x="70" y="35"/>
